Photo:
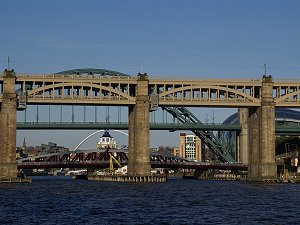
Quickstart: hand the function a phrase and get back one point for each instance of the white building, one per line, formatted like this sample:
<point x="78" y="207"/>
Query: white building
<point x="107" y="141"/>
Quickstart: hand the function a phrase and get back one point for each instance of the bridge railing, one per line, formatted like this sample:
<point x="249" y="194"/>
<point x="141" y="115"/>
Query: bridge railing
<point x="74" y="76"/>
<point x="291" y="81"/>
<point x="197" y="79"/>
<point x="77" y="97"/>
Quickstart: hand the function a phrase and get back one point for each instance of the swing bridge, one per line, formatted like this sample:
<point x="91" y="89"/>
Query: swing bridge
<point x="100" y="159"/>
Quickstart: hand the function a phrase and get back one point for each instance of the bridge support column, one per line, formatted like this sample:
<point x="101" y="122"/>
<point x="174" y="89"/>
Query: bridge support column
<point x="262" y="136"/>
<point x="139" y="131"/>
<point x="131" y="135"/>
<point x="8" y="119"/>
<point x="243" y="140"/>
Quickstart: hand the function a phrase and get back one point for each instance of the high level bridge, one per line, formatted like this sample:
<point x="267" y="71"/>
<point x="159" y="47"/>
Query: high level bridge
<point x="256" y="100"/>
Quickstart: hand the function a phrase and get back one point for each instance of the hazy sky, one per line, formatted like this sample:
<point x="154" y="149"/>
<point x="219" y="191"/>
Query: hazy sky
<point x="190" y="38"/>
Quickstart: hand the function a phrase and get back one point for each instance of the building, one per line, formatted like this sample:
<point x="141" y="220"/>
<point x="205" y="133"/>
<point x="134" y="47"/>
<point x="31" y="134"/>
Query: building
<point x="176" y="151"/>
<point x="49" y="148"/>
<point x="24" y="151"/>
<point x="107" y="141"/>
<point x="21" y="151"/>
<point x="190" y="147"/>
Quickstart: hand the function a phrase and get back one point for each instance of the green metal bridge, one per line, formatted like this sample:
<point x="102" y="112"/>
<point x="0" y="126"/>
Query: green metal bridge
<point x="124" y="126"/>
<point x="280" y="128"/>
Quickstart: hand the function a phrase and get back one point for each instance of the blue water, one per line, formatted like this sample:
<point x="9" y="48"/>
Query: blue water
<point x="61" y="200"/>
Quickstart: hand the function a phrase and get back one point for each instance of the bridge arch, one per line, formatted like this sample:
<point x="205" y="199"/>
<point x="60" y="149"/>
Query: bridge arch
<point x="101" y="89"/>
<point x="218" y="92"/>
<point x="285" y="98"/>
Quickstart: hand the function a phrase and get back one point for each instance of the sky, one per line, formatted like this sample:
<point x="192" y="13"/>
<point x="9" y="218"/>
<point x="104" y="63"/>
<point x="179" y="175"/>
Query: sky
<point x="169" y="38"/>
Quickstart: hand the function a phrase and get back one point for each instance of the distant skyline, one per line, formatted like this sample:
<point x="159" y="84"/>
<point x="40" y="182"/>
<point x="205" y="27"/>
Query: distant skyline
<point x="195" y="38"/>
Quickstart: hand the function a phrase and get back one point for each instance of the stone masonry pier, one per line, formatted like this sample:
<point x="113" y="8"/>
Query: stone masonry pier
<point x="261" y="130"/>
<point x="8" y="119"/>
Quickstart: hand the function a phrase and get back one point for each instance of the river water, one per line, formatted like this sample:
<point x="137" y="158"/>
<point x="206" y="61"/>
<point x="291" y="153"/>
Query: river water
<point x="61" y="200"/>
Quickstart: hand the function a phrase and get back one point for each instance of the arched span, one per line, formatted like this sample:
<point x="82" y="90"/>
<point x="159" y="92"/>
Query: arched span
<point x="62" y="86"/>
<point x="96" y="132"/>
<point x="285" y="98"/>
<point x="219" y="90"/>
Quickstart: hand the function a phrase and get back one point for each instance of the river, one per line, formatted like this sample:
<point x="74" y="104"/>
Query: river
<point x="61" y="200"/>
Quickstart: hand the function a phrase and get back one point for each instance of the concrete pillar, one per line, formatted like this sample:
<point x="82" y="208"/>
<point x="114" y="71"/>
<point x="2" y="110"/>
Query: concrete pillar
<point x="243" y="150"/>
<point x="8" y="119"/>
<point x="139" y="133"/>
<point x="262" y="135"/>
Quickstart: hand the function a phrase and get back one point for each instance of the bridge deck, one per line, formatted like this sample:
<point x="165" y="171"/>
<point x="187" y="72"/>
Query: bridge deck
<point x="120" y="90"/>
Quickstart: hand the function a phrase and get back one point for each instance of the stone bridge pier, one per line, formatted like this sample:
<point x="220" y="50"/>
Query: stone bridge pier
<point x="8" y="119"/>
<point x="243" y="139"/>
<point x="261" y="134"/>
<point x="139" y="131"/>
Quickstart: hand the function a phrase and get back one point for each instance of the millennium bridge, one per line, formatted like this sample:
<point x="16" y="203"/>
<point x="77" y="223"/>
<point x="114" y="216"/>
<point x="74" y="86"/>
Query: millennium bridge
<point x="256" y="100"/>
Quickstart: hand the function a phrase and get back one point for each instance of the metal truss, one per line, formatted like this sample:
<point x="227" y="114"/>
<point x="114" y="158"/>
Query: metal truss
<point x="223" y="144"/>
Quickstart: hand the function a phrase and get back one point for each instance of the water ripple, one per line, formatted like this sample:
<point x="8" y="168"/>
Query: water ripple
<point x="60" y="200"/>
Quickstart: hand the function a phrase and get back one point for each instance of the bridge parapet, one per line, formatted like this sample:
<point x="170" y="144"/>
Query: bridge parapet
<point x="25" y="76"/>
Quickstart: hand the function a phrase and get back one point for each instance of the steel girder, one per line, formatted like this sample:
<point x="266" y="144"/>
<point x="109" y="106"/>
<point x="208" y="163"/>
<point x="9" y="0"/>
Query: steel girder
<point x="223" y="144"/>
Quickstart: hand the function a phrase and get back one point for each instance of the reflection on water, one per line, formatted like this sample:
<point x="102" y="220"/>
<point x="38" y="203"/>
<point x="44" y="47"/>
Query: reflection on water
<point x="61" y="200"/>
